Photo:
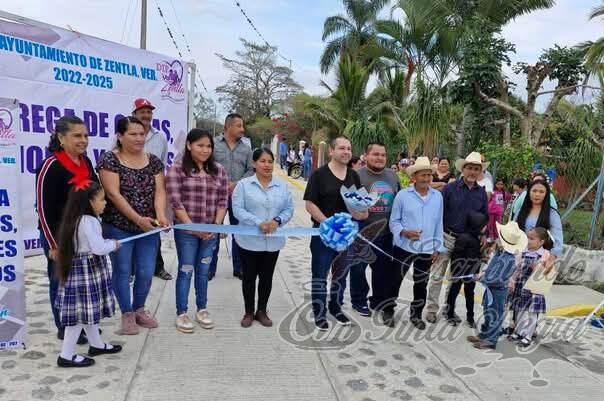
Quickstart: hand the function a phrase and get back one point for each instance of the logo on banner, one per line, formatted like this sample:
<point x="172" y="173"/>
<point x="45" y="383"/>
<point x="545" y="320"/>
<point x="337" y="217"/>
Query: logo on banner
<point x="172" y="74"/>
<point x="7" y="135"/>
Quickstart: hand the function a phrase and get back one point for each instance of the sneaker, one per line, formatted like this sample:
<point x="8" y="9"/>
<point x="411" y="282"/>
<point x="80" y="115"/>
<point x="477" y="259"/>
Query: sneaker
<point x="483" y="345"/>
<point x="163" y="274"/>
<point x="322" y="325"/>
<point x="452" y="322"/>
<point x="129" y="327"/>
<point x="471" y="323"/>
<point x="388" y="319"/>
<point x="418" y="323"/>
<point x="247" y="320"/>
<point x="67" y="363"/>
<point x="514" y="337"/>
<point x="431" y="317"/>
<point x="362" y="310"/>
<point x="457" y="318"/>
<point x="203" y="318"/>
<point x="473" y="339"/>
<point x="263" y="318"/>
<point x="341" y="318"/>
<point x="184" y="323"/>
<point x="145" y="319"/>
<point x="524" y="342"/>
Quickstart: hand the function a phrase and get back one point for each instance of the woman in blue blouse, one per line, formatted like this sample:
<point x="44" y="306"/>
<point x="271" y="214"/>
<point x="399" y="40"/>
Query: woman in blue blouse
<point x="536" y="211"/>
<point x="265" y="202"/>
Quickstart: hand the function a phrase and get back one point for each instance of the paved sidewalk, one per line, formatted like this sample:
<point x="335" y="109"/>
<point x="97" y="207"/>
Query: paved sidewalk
<point x="288" y="362"/>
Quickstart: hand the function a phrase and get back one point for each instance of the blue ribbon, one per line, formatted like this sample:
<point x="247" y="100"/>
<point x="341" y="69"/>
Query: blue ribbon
<point x="228" y="229"/>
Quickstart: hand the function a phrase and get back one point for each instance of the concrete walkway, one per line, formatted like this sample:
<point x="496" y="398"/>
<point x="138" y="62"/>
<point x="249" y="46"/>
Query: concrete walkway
<point x="289" y="361"/>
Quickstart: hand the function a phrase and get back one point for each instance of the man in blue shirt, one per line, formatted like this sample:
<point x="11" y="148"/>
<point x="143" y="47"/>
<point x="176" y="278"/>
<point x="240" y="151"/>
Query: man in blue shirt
<point x="283" y="149"/>
<point x="459" y="198"/>
<point x="417" y="229"/>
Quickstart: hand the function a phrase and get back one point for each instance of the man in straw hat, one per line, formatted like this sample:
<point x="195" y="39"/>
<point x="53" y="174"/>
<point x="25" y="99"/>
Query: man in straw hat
<point x="416" y="223"/>
<point x="459" y="199"/>
<point x="512" y="241"/>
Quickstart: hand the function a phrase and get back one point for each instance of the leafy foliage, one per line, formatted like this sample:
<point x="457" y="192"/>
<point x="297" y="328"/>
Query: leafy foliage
<point x="510" y="161"/>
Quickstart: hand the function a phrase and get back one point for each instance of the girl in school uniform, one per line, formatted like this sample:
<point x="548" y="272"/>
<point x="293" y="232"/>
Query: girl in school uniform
<point x="85" y="293"/>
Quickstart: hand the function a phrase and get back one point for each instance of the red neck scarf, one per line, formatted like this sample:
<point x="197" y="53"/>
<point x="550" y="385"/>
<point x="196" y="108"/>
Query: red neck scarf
<point x="81" y="173"/>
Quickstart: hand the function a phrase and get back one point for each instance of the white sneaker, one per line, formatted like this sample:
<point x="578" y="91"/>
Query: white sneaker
<point x="184" y="323"/>
<point x="203" y="318"/>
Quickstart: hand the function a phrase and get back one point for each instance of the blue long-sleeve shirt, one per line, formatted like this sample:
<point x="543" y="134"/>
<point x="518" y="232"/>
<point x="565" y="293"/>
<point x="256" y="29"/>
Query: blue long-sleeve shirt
<point x="458" y="200"/>
<point x="412" y="212"/>
<point x="499" y="270"/>
<point x="253" y="204"/>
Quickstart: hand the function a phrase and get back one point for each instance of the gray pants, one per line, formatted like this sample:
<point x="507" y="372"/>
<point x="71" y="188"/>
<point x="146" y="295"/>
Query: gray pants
<point x="437" y="275"/>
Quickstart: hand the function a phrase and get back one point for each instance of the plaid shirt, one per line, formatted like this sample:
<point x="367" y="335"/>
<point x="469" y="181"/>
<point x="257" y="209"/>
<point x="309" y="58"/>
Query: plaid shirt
<point x="200" y="196"/>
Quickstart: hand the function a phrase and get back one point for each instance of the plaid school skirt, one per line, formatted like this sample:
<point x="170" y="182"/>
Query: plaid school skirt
<point x="531" y="302"/>
<point x="515" y="297"/>
<point x="86" y="296"/>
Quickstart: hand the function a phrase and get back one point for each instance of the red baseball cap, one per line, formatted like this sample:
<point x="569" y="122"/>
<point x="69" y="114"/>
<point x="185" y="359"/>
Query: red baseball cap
<point x="141" y="102"/>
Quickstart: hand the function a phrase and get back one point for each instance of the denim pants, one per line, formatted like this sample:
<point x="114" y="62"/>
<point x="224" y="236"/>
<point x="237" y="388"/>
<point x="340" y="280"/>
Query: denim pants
<point x="306" y="168"/>
<point x="194" y="258"/>
<point x="493" y="315"/>
<point x="53" y="281"/>
<point x="321" y="262"/>
<point x="142" y="253"/>
<point x="234" y="248"/>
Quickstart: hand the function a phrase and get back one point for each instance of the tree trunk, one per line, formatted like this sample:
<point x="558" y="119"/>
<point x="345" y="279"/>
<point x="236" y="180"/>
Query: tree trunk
<point x="461" y="133"/>
<point x="507" y="125"/>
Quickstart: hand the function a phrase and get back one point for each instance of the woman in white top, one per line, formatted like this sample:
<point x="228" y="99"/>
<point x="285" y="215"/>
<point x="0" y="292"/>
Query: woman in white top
<point x="85" y="293"/>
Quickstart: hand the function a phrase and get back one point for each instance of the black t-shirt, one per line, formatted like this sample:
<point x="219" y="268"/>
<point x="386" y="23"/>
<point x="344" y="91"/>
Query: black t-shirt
<point x="323" y="189"/>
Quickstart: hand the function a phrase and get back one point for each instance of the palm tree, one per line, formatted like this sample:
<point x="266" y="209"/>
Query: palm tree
<point x="348" y="34"/>
<point x="594" y="51"/>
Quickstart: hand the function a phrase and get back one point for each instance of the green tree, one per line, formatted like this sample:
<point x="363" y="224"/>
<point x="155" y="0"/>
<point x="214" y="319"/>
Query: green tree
<point x="348" y="34"/>
<point x="593" y="51"/>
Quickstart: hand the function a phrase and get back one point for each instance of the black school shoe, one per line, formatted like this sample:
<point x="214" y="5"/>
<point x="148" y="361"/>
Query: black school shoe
<point x="66" y="363"/>
<point x="93" y="351"/>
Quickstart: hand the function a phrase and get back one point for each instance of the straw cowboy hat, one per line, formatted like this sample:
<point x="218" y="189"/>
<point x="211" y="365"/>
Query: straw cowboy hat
<point x="513" y="239"/>
<point x="472" y="158"/>
<point x="422" y="163"/>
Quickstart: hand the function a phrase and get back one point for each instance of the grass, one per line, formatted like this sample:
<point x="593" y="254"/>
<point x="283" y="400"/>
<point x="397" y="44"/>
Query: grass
<point x="577" y="225"/>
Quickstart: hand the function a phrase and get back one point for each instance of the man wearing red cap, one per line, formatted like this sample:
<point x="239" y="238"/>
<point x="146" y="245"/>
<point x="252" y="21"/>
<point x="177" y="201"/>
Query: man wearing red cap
<point x="156" y="144"/>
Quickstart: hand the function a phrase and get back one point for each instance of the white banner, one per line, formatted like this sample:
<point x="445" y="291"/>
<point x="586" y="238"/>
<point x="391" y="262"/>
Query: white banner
<point x="12" y="284"/>
<point x="54" y="72"/>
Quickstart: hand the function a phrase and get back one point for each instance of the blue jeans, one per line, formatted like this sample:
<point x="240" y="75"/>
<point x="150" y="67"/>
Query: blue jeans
<point x="194" y="257"/>
<point x="493" y="315"/>
<point x="53" y="281"/>
<point x="141" y="253"/>
<point x="306" y="168"/>
<point x="321" y="262"/>
<point x="235" y="248"/>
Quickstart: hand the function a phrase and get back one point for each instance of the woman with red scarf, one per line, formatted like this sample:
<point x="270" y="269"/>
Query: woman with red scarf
<point x="66" y="167"/>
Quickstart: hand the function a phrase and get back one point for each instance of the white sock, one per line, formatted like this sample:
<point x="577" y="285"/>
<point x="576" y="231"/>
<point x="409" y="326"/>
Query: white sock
<point x="70" y="339"/>
<point x="94" y="336"/>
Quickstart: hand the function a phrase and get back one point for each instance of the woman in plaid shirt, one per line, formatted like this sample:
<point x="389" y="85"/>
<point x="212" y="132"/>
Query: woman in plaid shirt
<point x="198" y="192"/>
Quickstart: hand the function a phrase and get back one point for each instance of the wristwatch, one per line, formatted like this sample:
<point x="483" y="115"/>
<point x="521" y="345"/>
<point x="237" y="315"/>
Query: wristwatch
<point x="278" y="220"/>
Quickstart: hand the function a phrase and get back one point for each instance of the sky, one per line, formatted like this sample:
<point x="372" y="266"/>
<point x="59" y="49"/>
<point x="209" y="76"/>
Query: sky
<point x="294" y="26"/>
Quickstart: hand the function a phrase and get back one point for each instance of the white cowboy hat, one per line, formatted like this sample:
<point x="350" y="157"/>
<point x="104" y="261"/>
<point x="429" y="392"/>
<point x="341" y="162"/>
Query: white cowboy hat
<point x="422" y="163"/>
<point x="513" y="239"/>
<point x="472" y="158"/>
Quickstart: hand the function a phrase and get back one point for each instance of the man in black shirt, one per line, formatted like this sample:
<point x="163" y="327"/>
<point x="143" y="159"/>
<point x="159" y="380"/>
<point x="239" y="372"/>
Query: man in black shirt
<point x="323" y="200"/>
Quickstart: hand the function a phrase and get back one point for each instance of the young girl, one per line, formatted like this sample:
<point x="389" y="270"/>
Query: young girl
<point x="525" y="305"/>
<point x="497" y="207"/>
<point x="85" y="294"/>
